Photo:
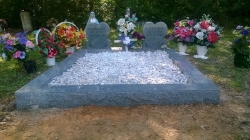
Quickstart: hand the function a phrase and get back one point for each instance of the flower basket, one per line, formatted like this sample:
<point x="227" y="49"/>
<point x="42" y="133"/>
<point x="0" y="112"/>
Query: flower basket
<point x="47" y="46"/>
<point x="37" y="34"/>
<point x="68" y="35"/>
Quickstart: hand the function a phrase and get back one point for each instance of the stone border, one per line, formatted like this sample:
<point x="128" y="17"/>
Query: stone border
<point x="37" y="93"/>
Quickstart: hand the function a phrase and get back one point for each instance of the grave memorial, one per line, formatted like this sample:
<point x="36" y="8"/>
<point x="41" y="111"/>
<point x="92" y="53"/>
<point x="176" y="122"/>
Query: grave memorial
<point x="97" y="35"/>
<point x="154" y="35"/>
<point x="39" y="93"/>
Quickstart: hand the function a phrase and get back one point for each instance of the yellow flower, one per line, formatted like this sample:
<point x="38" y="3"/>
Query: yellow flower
<point x="182" y="24"/>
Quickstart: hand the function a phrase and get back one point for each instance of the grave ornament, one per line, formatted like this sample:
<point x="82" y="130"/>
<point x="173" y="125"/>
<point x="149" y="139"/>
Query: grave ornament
<point x="97" y="35"/>
<point x="154" y="35"/>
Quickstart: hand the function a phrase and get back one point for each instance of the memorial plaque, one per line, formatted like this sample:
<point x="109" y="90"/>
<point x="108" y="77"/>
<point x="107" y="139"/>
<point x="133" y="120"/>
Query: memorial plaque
<point x="97" y="35"/>
<point x="154" y="35"/>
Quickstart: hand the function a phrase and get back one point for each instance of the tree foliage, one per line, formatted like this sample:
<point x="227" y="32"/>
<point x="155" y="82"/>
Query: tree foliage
<point x="224" y="12"/>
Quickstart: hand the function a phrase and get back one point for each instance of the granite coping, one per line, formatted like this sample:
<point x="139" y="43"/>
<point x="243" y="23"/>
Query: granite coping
<point x="37" y="93"/>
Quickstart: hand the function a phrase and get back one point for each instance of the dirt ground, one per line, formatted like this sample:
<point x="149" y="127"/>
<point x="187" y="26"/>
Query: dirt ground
<point x="225" y="121"/>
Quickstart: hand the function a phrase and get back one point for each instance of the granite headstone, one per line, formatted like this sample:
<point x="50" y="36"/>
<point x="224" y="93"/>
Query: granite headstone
<point x="154" y="35"/>
<point x="97" y="35"/>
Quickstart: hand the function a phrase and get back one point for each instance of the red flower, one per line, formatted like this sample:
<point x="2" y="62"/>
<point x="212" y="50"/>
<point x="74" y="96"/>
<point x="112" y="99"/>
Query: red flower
<point x="52" y="52"/>
<point x="42" y="29"/>
<point x="212" y="37"/>
<point x="204" y="25"/>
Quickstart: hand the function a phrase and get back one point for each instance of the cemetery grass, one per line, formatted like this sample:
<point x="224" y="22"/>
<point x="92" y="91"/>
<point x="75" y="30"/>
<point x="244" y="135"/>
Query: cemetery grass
<point x="228" y="120"/>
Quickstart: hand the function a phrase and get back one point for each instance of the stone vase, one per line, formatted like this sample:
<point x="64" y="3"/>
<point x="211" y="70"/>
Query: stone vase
<point x="51" y="61"/>
<point x="30" y="66"/>
<point x="201" y="52"/>
<point x="182" y="48"/>
<point x="70" y="50"/>
<point x="241" y="60"/>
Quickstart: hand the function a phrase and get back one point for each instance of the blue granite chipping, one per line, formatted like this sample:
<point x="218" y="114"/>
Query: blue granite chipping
<point x="37" y="93"/>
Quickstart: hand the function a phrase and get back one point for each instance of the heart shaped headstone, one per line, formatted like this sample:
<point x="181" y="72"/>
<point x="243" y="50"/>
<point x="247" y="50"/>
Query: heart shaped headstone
<point x="154" y="34"/>
<point x="97" y="35"/>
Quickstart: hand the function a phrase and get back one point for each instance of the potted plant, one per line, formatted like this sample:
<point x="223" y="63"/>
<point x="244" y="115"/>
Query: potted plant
<point x="241" y="46"/>
<point x="47" y="46"/>
<point x="207" y="34"/>
<point x="68" y="36"/>
<point x="184" y="34"/>
<point x="18" y="47"/>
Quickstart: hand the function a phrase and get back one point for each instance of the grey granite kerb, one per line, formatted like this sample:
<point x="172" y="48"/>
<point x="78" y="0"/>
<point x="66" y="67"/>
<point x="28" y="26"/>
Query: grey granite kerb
<point x="37" y="93"/>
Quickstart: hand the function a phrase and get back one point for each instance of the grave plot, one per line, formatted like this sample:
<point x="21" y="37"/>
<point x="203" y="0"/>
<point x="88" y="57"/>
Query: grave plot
<point x="40" y="94"/>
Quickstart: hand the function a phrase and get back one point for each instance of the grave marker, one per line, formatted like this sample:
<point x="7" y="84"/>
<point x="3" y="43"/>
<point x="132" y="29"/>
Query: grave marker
<point x="154" y="35"/>
<point x="97" y="35"/>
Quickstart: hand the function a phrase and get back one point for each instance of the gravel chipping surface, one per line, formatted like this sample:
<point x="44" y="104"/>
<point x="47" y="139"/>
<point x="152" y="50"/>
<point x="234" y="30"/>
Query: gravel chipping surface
<point x="122" y="68"/>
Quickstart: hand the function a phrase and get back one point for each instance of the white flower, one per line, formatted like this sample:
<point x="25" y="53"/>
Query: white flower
<point x="211" y="28"/>
<point x="121" y="22"/>
<point x="126" y="41"/>
<point x="200" y="35"/>
<point x="122" y="28"/>
<point x="197" y="27"/>
<point x="130" y="26"/>
<point x="4" y="56"/>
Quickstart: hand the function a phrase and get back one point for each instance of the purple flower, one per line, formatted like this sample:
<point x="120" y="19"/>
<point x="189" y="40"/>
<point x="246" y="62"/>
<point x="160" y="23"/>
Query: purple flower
<point x="8" y="48"/>
<point x="135" y="34"/>
<point x="244" y="32"/>
<point x="239" y="27"/>
<point x="122" y="37"/>
<point x="23" y="40"/>
<point x="2" y="41"/>
<point x="187" y="39"/>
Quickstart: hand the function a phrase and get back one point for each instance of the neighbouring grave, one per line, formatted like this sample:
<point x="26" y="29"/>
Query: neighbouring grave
<point x="26" y="22"/>
<point x="154" y="35"/>
<point x="97" y="35"/>
<point x="38" y="94"/>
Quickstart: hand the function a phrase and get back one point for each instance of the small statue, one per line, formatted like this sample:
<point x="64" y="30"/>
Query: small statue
<point x="127" y="13"/>
<point x="92" y="18"/>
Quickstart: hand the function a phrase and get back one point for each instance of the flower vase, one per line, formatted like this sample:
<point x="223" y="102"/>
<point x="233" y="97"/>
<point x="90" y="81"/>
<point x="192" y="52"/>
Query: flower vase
<point x="201" y="51"/>
<point x="182" y="48"/>
<point x="241" y="60"/>
<point x="51" y="61"/>
<point x="70" y="50"/>
<point x="30" y="66"/>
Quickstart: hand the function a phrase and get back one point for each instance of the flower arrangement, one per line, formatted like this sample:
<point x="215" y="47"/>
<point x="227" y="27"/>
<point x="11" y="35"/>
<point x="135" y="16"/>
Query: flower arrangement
<point x="241" y="43"/>
<point x="184" y="31"/>
<point x="207" y="33"/>
<point x="140" y="38"/>
<point x="126" y="25"/>
<point x="16" y="46"/>
<point x="68" y="35"/>
<point x="241" y="46"/>
<point x="52" y="22"/>
<point x="3" y="22"/>
<point x="46" y="44"/>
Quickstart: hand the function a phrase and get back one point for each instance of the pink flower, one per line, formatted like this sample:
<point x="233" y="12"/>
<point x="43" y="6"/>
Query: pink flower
<point x="10" y="42"/>
<point x="176" y="24"/>
<point x="5" y="36"/>
<point x="52" y="52"/>
<point x="191" y="23"/>
<point x="29" y="44"/>
<point x="17" y="54"/>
